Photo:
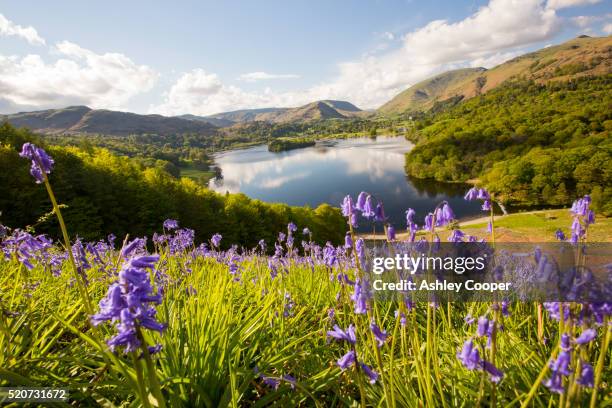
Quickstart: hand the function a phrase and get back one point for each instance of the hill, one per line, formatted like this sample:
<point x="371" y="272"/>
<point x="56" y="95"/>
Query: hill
<point x="81" y="119"/>
<point x="423" y="95"/>
<point x="582" y="56"/>
<point x="326" y="109"/>
<point x="529" y="143"/>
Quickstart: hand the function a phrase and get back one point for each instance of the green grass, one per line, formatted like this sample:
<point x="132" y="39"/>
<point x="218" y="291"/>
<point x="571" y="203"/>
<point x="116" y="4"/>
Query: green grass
<point x="540" y="226"/>
<point x="219" y="330"/>
<point x="201" y="176"/>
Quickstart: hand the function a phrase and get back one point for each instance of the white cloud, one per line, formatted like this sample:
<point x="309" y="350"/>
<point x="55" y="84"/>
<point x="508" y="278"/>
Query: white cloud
<point x="559" y="4"/>
<point x="388" y="36"/>
<point x="8" y="28"/>
<point x="607" y="29"/>
<point x="262" y="76"/>
<point x="78" y="76"/>
<point x="493" y="34"/>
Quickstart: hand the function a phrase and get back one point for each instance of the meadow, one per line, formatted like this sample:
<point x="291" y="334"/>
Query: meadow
<point x="168" y="321"/>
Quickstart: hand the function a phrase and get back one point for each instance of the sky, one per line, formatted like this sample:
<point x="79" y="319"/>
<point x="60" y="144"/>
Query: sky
<point x="205" y="57"/>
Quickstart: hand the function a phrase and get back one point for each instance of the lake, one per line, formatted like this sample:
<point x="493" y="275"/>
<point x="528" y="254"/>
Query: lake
<point x="331" y="169"/>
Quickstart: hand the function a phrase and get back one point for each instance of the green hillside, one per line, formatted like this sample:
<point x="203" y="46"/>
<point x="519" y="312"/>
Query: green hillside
<point x="582" y="56"/>
<point x="529" y="143"/>
<point x="105" y="193"/>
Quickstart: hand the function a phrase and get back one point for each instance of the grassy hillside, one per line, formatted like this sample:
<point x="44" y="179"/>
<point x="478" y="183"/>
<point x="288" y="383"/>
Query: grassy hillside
<point x="582" y="56"/>
<point x="423" y="95"/>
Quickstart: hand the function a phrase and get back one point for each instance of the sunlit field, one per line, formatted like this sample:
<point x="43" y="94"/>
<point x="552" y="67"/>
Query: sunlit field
<point x="166" y="321"/>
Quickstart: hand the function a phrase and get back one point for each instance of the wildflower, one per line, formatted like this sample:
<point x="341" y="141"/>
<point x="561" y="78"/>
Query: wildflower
<point x="171" y="224"/>
<point x="291" y="227"/>
<point x="586" y="336"/>
<point x="429" y="222"/>
<point x="379" y="335"/>
<point x="456" y="236"/>
<point x="367" y="210"/>
<point x="401" y="316"/>
<point x="560" y="366"/>
<point x="127" y="302"/>
<point x="410" y="213"/>
<point x="359" y="297"/>
<point x="361" y="200"/>
<point x="379" y="213"/>
<point x="586" y="375"/>
<point x="339" y="334"/>
<point x="306" y="231"/>
<point x="216" y="240"/>
<point x="347" y="206"/>
<point x="391" y="233"/>
<point x="471" y="194"/>
<point x="42" y="163"/>
<point x="360" y="248"/>
<point x="483" y="194"/>
<point x="486" y="205"/>
<point x="444" y="215"/>
<point x="560" y="235"/>
<point x="348" y="241"/>
<point x="469" y="355"/>
<point x="347" y="360"/>
<point x="372" y="375"/>
<point x="495" y="374"/>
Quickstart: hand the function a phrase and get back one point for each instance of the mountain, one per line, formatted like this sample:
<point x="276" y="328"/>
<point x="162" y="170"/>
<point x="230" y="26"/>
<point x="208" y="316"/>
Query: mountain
<point x="247" y="115"/>
<point x="81" y="119"/>
<point x="582" y="56"/>
<point x="423" y="95"/>
<point x="326" y="109"/>
<point x="219" y="122"/>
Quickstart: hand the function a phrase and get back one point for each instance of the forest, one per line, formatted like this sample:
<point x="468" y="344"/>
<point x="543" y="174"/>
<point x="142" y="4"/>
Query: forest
<point x="530" y="144"/>
<point x="105" y="193"/>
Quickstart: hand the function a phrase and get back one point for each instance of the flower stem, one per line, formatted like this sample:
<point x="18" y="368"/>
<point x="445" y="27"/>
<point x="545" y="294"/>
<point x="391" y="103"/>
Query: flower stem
<point x="80" y="285"/>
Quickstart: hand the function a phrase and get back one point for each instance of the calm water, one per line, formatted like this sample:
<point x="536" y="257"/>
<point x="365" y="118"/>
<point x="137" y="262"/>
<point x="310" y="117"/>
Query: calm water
<point x="325" y="173"/>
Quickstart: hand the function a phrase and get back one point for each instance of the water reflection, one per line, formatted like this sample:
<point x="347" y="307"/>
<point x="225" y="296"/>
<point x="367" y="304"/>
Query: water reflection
<point x="328" y="171"/>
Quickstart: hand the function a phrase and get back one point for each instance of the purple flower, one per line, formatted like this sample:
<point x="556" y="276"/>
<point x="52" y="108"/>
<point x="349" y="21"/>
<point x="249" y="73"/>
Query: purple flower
<point x="391" y="233"/>
<point x="429" y="224"/>
<point x="586" y="336"/>
<point x="128" y="302"/>
<point x="560" y="235"/>
<point x="456" y="236"/>
<point x="372" y="375"/>
<point x="486" y="205"/>
<point x="348" y="241"/>
<point x="360" y="248"/>
<point x="368" y="210"/>
<point x="379" y="213"/>
<point x="472" y="194"/>
<point x="216" y="240"/>
<point x="483" y="326"/>
<point x="444" y="215"/>
<point x="361" y="200"/>
<point x="469" y="355"/>
<point x="360" y="297"/>
<point x="42" y="163"/>
<point x="495" y="374"/>
<point x="339" y="334"/>
<point x="347" y="206"/>
<point x="291" y="228"/>
<point x="410" y="213"/>
<point x="483" y="194"/>
<point x="171" y="224"/>
<point x="379" y="335"/>
<point x="306" y="231"/>
<point x="586" y="375"/>
<point x="347" y="360"/>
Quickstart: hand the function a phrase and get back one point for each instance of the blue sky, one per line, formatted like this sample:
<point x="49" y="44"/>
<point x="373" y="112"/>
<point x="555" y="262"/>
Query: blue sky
<point x="202" y="57"/>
